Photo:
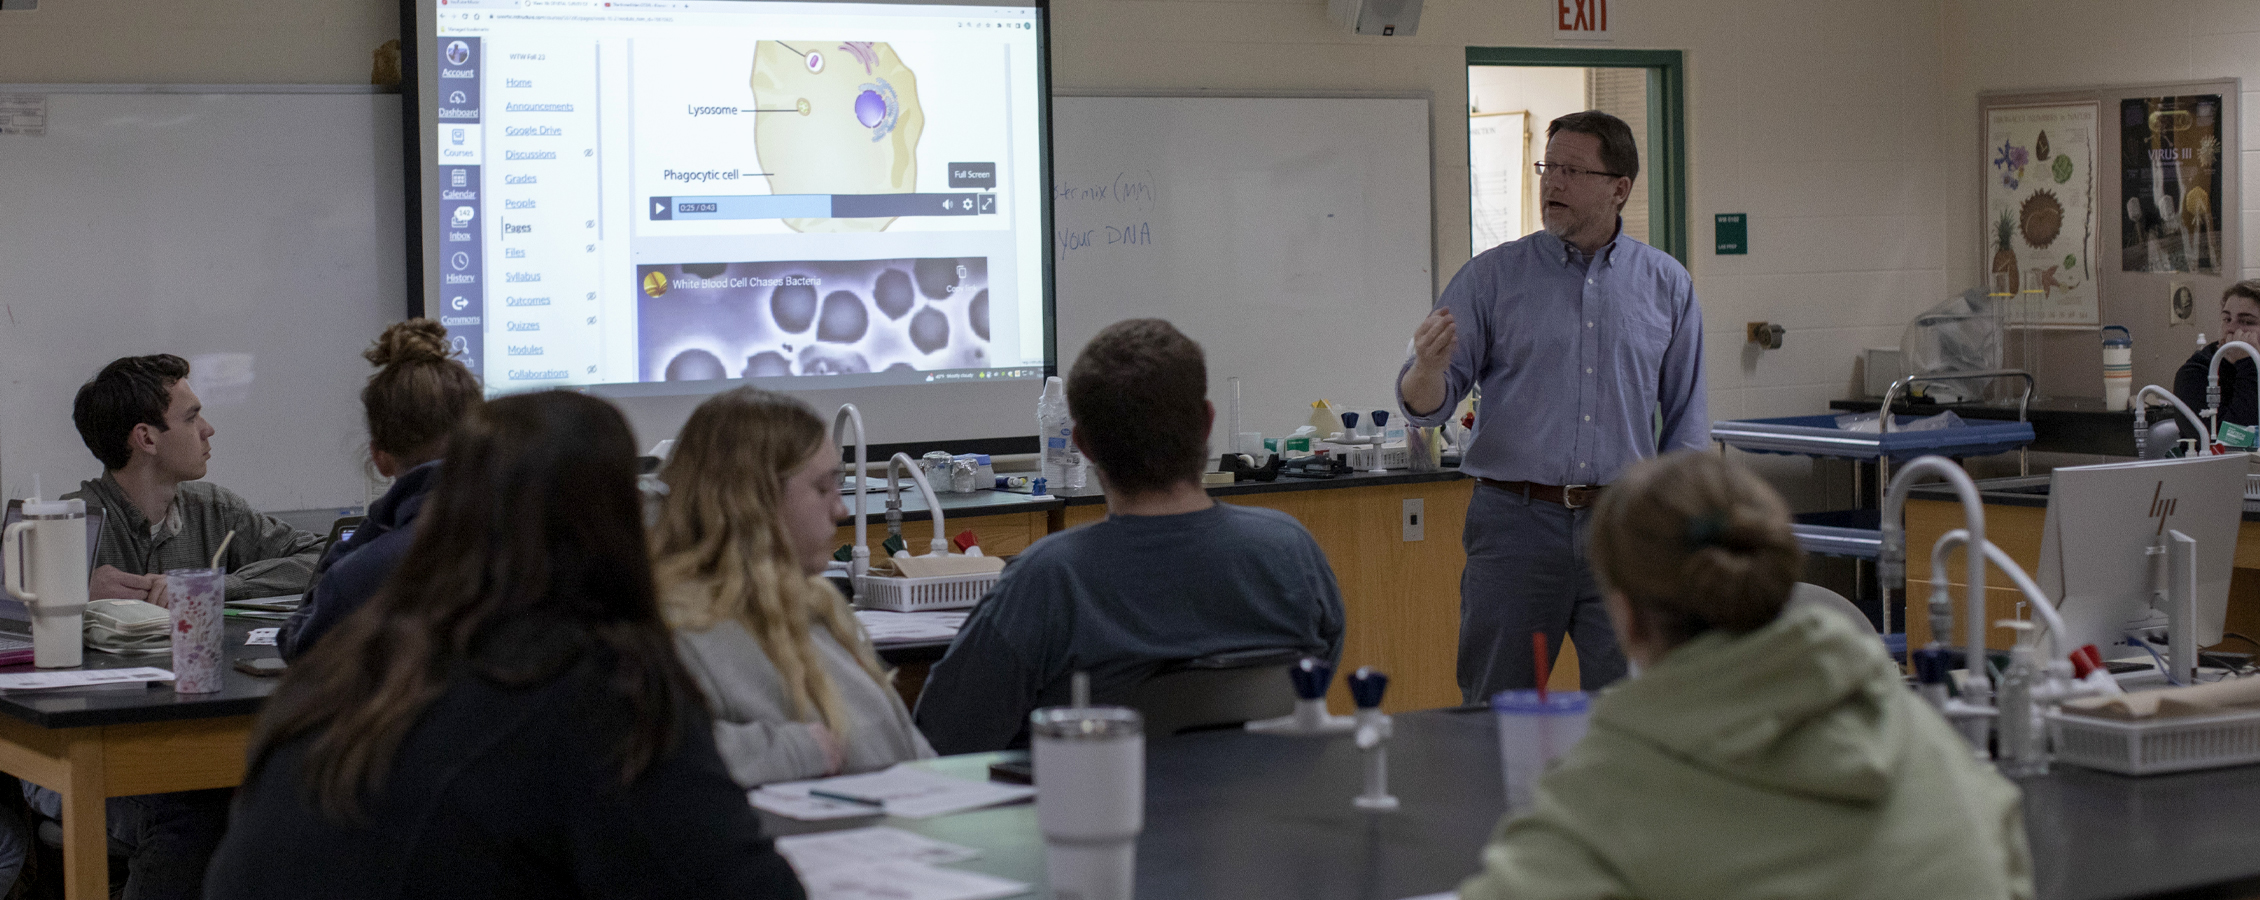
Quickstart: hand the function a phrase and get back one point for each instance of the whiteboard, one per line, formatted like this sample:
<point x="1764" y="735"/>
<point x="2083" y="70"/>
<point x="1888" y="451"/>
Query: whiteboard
<point x="257" y="233"/>
<point x="1291" y="237"/>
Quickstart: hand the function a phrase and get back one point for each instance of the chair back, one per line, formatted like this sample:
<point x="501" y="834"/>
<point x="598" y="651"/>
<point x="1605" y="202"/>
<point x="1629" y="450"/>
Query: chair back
<point x="1218" y="690"/>
<point x="1831" y="600"/>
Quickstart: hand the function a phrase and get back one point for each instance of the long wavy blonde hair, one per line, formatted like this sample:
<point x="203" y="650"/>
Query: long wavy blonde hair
<point x="720" y="553"/>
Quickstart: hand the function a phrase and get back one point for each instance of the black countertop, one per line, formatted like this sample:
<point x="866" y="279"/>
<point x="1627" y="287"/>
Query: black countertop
<point x="1248" y="817"/>
<point x="997" y="502"/>
<point x="239" y="694"/>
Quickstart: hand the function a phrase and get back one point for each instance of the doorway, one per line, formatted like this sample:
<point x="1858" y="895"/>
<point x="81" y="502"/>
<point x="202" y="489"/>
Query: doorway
<point x="1514" y="92"/>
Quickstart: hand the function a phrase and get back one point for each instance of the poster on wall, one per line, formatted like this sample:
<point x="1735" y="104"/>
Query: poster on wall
<point x="2170" y="174"/>
<point x="2040" y="211"/>
<point x="1498" y="160"/>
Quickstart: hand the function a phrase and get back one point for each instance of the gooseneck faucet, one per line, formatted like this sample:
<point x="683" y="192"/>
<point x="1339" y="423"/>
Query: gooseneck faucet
<point x="2142" y="421"/>
<point x="1891" y="570"/>
<point x="859" y="561"/>
<point x="2213" y="384"/>
<point x="940" y="545"/>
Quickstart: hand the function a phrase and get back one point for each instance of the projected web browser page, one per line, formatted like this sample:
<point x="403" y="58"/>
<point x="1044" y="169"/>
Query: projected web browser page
<point x="661" y="192"/>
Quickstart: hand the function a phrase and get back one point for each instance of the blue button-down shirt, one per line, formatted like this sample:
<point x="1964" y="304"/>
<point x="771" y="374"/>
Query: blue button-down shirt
<point x="1578" y="359"/>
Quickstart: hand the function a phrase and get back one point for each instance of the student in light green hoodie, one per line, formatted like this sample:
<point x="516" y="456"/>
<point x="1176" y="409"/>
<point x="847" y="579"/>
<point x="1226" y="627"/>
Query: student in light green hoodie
<point x="1763" y="749"/>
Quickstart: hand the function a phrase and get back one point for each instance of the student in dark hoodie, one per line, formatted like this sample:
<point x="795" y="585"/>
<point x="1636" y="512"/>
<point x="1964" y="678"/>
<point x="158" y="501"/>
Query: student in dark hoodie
<point x="416" y="397"/>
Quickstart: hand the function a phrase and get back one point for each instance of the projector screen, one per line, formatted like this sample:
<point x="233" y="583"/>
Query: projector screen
<point x="654" y="200"/>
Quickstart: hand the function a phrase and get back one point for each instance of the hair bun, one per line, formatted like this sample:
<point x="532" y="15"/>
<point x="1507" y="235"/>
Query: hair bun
<point x="409" y="341"/>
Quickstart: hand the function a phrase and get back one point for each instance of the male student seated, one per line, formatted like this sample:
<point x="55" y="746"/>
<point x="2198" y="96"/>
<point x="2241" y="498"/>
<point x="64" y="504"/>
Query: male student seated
<point x="1169" y="575"/>
<point x="145" y="424"/>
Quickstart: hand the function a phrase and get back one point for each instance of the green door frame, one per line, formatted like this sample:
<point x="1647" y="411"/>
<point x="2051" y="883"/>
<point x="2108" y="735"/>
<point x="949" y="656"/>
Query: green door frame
<point x="1667" y="122"/>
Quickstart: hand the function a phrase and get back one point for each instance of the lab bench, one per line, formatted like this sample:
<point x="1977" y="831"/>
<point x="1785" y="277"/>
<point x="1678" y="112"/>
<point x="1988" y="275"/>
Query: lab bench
<point x="1401" y="597"/>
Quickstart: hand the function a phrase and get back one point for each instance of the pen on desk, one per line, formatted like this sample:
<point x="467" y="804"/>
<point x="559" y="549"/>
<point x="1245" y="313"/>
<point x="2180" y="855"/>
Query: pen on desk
<point x="846" y="798"/>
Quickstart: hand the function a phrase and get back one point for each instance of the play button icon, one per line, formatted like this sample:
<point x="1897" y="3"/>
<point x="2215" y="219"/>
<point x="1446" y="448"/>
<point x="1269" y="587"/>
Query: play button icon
<point x="662" y="209"/>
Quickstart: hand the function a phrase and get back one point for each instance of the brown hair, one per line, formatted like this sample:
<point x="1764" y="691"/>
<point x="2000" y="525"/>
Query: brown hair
<point x="720" y="554"/>
<point x="528" y="560"/>
<point x="1694" y="543"/>
<point x="134" y="390"/>
<point x="1139" y="396"/>
<point x="419" y="392"/>
<point x="2249" y="289"/>
<point x="1618" y="150"/>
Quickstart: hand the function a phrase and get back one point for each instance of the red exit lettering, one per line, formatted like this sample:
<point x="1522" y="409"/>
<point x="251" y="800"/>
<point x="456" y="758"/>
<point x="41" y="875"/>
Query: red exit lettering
<point x="1581" y="15"/>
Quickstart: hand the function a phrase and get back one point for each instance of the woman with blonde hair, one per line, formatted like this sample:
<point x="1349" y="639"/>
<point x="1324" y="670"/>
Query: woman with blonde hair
<point x="1763" y="748"/>
<point x="739" y="549"/>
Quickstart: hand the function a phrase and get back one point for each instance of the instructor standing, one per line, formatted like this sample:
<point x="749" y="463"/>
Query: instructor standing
<point x="1588" y="348"/>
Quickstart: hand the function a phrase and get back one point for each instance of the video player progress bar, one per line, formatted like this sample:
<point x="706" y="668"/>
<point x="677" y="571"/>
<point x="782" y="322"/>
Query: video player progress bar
<point x="821" y="206"/>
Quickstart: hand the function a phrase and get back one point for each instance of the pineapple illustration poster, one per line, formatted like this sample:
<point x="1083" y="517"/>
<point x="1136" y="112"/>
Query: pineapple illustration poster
<point x="2170" y="173"/>
<point x="2040" y="211"/>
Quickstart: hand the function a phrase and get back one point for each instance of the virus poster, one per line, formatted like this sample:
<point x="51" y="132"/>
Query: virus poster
<point x="2040" y="222"/>
<point x="2170" y="173"/>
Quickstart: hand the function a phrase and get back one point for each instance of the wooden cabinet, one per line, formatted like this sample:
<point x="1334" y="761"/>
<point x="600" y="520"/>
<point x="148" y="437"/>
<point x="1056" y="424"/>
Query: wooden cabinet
<point x="2016" y="530"/>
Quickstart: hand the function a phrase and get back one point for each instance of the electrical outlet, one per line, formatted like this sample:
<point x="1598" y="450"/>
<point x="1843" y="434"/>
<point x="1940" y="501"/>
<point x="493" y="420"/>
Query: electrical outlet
<point x="1415" y="523"/>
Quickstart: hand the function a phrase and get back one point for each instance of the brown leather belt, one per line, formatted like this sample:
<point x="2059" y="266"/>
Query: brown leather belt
<point x="1574" y="496"/>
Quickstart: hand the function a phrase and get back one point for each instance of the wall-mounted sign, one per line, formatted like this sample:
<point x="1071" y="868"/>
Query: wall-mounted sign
<point x="1581" y="20"/>
<point x="1733" y="234"/>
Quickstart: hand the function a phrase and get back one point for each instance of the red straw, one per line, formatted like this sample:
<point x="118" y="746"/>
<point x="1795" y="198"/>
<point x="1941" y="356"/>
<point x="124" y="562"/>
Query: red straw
<point x="1538" y="648"/>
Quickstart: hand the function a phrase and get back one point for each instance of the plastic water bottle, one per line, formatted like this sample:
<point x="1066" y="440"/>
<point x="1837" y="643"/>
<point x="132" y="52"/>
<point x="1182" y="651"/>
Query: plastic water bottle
<point x="1062" y="462"/>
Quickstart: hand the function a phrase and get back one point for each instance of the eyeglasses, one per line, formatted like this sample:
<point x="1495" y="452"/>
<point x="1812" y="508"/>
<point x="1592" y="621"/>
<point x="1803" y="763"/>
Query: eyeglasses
<point x="1555" y="168"/>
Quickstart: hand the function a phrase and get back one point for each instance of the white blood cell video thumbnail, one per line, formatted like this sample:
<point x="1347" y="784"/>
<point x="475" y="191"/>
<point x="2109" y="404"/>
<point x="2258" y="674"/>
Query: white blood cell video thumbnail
<point x="706" y="321"/>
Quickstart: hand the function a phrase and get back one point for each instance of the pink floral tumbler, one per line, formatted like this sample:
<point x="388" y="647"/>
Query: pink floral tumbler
<point x="197" y="597"/>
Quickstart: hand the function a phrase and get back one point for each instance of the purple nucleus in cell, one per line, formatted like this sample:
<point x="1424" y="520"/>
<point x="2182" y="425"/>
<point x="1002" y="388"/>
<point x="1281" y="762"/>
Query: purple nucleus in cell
<point x="793" y="306"/>
<point x="844" y="320"/>
<point x="930" y="330"/>
<point x="870" y="109"/>
<point x="767" y="363"/>
<point x="902" y="367"/>
<point x="832" y="361"/>
<point x="892" y="293"/>
<point x="977" y="314"/>
<point x="695" y="365"/>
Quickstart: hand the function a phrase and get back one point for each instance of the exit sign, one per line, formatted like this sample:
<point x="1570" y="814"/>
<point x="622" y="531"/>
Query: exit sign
<point x="1584" y="20"/>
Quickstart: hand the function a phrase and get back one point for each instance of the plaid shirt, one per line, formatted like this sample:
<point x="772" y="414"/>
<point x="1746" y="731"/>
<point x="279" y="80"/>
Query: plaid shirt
<point x="266" y="558"/>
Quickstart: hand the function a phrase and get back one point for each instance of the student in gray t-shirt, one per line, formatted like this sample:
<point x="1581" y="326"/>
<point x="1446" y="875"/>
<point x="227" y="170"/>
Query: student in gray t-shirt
<point x="1169" y="575"/>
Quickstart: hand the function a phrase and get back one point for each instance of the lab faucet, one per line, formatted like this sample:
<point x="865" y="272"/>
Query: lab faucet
<point x="2142" y="419"/>
<point x="2022" y="744"/>
<point x="859" y="560"/>
<point x="940" y="545"/>
<point x="1891" y="573"/>
<point x="2213" y="386"/>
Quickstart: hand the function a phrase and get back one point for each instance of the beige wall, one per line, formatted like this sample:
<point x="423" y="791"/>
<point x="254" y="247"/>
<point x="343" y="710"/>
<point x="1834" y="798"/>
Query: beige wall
<point x="2089" y="43"/>
<point x="1821" y="120"/>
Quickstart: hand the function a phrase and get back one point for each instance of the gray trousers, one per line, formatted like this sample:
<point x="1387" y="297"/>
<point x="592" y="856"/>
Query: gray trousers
<point x="1526" y="572"/>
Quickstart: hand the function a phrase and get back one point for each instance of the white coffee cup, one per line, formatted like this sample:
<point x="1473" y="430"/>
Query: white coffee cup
<point x="1090" y="764"/>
